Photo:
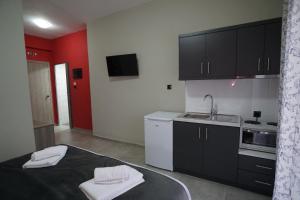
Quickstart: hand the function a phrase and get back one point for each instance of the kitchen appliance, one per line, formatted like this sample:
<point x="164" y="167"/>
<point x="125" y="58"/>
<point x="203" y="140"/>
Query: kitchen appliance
<point x="256" y="114"/>
<point x="259" y="137"/>
<point x="159" y="139"/>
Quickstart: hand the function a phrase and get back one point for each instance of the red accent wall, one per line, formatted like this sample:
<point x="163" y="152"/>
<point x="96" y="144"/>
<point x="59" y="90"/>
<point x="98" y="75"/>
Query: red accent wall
<point x="72" y="49"/>
<point x="38" y="43"/>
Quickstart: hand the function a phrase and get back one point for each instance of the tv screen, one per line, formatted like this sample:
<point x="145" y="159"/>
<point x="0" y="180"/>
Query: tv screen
<point x="122" y="65"/>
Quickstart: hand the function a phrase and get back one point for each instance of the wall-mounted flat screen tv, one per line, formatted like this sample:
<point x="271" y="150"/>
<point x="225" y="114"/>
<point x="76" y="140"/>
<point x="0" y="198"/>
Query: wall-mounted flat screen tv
<point x="122" y="65"/>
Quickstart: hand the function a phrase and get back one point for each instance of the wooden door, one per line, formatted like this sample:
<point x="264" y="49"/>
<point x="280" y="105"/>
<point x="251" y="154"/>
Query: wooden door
<point x="250" y="51"/>
<point x="272" y="48"/>
<point x="221" y="54"/>
<point x="187" y="147"/>
<point x="191" y="57"/>
<point x="40" y="91"/>
<point x="220" y="158"/>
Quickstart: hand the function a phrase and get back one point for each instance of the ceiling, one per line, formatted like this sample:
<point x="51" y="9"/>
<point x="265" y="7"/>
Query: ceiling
<point x="69" y="16"/>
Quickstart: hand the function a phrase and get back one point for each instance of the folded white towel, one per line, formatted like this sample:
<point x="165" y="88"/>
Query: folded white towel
<point x="111" y="175"/>
<point x="110" y="191"/>
<point x="44" y="163"/>
<point x="49" y="152"/>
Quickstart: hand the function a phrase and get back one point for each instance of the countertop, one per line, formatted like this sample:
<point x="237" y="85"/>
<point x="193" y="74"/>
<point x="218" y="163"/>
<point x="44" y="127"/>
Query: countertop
<point x="261" y="127"/>
<point x="162" y="115"/>
<point x="253" y="153"/>
<point x="39" y="124"/>
<point x="237" y="120"/>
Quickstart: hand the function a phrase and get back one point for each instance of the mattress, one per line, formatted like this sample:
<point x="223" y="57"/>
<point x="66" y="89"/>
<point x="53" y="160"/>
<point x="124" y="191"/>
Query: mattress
<point x="61" y="181"/>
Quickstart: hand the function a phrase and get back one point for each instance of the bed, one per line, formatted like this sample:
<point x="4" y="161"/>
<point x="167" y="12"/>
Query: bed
<point x="61" y="181"/>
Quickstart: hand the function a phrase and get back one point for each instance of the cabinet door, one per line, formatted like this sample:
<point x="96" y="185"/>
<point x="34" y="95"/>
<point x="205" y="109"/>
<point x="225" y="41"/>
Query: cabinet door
<point x="272" y="48"/>
<point x="221" y="54"/>
<point x="221" y="152"/>
<point x="187" y="148"/>
<point x="250" y="51"/>
<point x="191" y="57"/>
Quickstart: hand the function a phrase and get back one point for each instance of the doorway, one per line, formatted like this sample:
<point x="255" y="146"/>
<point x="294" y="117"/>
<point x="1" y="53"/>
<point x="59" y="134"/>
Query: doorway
<point x="63" y="96"/>
<point x="40" y="91"/>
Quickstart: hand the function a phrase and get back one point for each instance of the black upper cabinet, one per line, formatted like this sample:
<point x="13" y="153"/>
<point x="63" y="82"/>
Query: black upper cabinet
<point x="221" y="54"/>
<point x="221" y="152"/>
<point x="207" y="56"/>
<point x="250" y="50"/>
<point x="191" y="57"/>
<point x="272" y="48"/>
<point x="188" y="150"/>
<point x="244" y="50"/>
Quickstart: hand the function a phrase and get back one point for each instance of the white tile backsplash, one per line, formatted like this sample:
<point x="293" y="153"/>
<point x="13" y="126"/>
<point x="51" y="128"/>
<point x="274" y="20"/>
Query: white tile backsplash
<point x="242" y="99"/>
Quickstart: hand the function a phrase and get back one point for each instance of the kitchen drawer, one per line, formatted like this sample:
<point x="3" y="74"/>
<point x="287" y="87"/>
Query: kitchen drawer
<point x="257" y="182"/>
<point x="259" y="165"/>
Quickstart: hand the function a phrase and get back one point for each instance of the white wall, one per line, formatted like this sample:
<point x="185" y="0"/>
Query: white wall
<point x="246" y="96"/>
<point x="151" y="30"/>
<point x="16" y="128"/>
<point x="62" y="94"/>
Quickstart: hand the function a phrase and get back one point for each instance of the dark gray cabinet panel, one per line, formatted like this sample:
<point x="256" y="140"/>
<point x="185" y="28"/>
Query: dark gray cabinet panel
<point x="206" y="150"/>
<point x="221" y="54"/>
<point x="272" y="48"/>
<point x="187" y="150"/>
<point x="259" y="165"/>
<point x="191" y="57"/>
<point x="250" y="50"/>
<point x="221" y="152"/>
<point x="256" y="182"/>
<point x="257" y="174"/>
<point x="244" y="50"/>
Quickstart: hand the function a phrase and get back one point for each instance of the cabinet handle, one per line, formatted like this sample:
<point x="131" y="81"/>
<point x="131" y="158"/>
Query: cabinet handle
<point x="268" y="68"/>
<point x="206" y="134"/>
<point x="208" y="67"/>
<point x="263" y="183"/>
<point x="263" y="167"/>
<point x="199" y="133"/>
<point x="201" y="67"/>
<point x="258" y="65"/>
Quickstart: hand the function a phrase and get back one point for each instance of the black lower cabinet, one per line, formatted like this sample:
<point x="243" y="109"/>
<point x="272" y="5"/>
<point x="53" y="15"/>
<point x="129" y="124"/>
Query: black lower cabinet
<point x="256" y="174"/>
<point x="209" y="151"/>
<point x="256" y="182"/>
<point x="221" y="145"/>
<point x="188" y="150"/>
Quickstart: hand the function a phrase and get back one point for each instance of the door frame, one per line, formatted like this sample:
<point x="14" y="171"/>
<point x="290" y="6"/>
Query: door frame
<point x="68" y="92"/>
<point x="51" y="92"/>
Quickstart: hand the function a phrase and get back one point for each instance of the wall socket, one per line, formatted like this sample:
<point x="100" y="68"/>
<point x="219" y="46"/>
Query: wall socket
<point x="169" y="87"/>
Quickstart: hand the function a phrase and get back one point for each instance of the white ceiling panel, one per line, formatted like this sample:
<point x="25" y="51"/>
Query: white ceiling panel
<point x="69" y="16"/>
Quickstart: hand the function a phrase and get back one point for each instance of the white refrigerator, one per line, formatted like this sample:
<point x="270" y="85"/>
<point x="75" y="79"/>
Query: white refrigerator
<point x="159" y="139"/>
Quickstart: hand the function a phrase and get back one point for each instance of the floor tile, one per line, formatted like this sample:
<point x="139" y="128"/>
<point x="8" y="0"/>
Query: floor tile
<point x="200" y="189"/>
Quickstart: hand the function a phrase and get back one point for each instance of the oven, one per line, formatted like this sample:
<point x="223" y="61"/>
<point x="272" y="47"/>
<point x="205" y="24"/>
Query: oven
<point x="260" y="140"/>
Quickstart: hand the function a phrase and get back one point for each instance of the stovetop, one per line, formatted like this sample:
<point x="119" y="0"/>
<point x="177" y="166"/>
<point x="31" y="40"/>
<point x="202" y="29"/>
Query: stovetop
<point x="271" y="126"/>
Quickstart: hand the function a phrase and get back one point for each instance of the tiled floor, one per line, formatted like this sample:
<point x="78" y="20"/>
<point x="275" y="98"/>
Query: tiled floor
<point x="61" y="128"/>
<point x="200" y="189"/>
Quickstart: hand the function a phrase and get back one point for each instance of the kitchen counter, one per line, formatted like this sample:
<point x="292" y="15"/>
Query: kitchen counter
<point x="257" y="154"/>
<point x="236" y="122"/>
<point x="261" y="127"/>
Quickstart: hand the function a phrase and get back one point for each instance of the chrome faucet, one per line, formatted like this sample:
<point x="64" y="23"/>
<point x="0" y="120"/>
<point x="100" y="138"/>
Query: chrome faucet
<point x="212" y="110"/>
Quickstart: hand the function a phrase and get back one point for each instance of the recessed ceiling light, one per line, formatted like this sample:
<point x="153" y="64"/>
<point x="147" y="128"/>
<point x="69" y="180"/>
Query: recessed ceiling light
<point x="42" y="23"/>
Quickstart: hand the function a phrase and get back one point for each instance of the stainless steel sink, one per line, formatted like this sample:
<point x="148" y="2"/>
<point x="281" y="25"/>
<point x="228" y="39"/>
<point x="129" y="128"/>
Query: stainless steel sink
<point x="197" y="116"/>
<point x="225" y="118"/>
<point x="216" y="117"/>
